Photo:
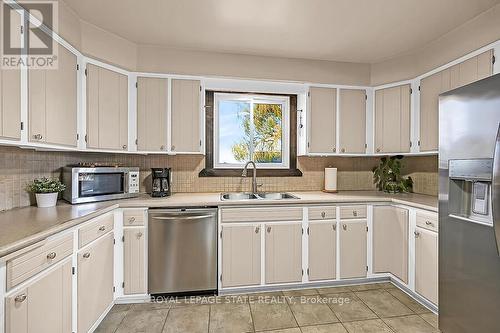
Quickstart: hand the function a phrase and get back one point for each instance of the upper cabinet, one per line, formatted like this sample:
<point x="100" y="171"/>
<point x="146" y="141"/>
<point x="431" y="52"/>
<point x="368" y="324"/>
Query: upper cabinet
<point x="186" y="114"/>
<point x="322" y="120"/>
<point x="107" y="109"/>
<point x="392" y="119"/>
<point x="466" y="72"/>
<point x="352" y="120"/>
<point x="53" y="102"/>
<point x="152" y="101"/>
<point x="10" y="104"/>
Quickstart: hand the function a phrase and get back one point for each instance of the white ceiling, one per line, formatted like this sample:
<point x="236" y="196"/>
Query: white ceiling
<point x="367" y="31"/>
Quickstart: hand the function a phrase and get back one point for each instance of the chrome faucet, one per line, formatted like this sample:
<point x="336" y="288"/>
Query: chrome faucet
<point x="254" y="177"/>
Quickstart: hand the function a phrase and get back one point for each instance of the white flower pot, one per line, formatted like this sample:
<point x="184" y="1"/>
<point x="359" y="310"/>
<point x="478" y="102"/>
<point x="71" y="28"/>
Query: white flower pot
<point x="46" y="199"/>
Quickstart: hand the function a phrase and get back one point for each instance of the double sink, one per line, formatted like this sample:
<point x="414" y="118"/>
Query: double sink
<point x="235" y="196"/>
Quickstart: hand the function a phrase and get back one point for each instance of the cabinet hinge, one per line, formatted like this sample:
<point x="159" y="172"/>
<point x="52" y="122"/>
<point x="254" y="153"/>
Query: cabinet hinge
<point x="21" y="29"/>
<point x="308" y="230"/>
<point x="136" y="141"/>
<point x="308" y="94"/>
<point x="302" y="272"/>
<point x="85" y="71"/>
<point x="77" y="136"/>
<point x="307" y="271"/>
<point x="493" y="59"/>
<point x="123" y="239"/>
<point x="221" y="278"/>
<point x="366" y="145"/>
<point x="77" y="67"/>
<point x="419" y="143"/>
<point x="366" y="229"/>
<point x="72" y="270"/>
<point x="200" y="88"/>
<point x="367" y="268"/>
<point x="200" y="143"/>
<point x="366" y="97"/>
<point x="114" y="241"/>
<point x="302" y="231"/>
<point x="221" y="234"/>
<point x="411" y="91"/>
<point x="308" y="145"/>
<point x="411" y="144"/>
<point x="137" y="84"/>
<point x="123" y="284"/>
<point x="86" y="137"/>
<point x="114" y="289"/>
<point x="418" y="88"/>
<point x="22" y="125"/>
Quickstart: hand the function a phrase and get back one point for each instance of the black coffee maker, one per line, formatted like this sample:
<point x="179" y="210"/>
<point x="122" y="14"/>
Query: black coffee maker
<point x="161" y="182"/>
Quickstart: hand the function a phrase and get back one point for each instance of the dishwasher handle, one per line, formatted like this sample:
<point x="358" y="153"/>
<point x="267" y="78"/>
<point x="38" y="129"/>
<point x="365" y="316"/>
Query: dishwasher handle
<point x="181" y="217"/>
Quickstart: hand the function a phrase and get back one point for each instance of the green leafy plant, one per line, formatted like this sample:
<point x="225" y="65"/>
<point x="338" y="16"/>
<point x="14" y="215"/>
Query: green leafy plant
<point x="387" y="176"/>
<point x="46" y="185"/>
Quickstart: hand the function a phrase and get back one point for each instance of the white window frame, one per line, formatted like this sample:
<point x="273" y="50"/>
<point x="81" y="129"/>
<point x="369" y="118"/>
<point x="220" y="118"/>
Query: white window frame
<point x="255" y="98"/>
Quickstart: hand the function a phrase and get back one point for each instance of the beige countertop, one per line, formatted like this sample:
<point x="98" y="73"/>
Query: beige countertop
<point x="22" y="227"/>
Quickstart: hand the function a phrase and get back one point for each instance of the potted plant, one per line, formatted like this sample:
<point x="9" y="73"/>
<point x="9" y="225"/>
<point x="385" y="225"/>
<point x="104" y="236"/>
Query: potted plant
<point x="387" y="176"/>
<point x="46" y="191"/>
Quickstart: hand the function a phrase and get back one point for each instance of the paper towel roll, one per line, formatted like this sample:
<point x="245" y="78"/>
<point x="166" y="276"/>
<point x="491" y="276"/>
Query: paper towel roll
<point x="330" y="179"/>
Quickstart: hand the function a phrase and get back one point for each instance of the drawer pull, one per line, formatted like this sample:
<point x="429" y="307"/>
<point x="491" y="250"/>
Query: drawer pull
<point x="428" y="223"/>
<point x="38" y="137"/>
<point x="334" y="226"/>
<point x="417" y="234"/>
<point x="257" y="229"/>
<point x="86" y="255"/>
<point x="344" y="226"/>
<point x="139" y="234"/>
<point x="51" y="255"/>
<point x="131" y="219"/>
<point x="268" y="229"/>
<point x="354" y="213"/>
<point x="20" y="298"/>
<point x="102" y="228"/>
<point x="323" y="214"/>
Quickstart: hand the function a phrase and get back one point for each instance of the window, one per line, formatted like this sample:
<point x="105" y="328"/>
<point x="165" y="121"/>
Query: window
<point x="251" y="127"/>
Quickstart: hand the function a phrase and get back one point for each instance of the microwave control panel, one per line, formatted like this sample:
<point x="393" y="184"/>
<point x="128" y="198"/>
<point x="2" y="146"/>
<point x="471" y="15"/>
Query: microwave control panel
<point x="133" y="182"/>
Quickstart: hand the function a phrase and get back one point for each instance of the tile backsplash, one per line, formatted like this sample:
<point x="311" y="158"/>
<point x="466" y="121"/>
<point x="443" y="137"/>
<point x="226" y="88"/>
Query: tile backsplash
<point x="19" y="166"/>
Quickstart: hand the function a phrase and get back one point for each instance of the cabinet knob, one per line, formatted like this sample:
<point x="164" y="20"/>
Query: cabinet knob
<point x="334" y="226"/>
<point x="257" y="229"/>
<point x="268" y="229"/>
<point x="334" y="150"/>
<point x="162" y="148"/>
<point x="131" y="219"/>
<point x="20" y="298"/>
<point x="173" y="147"/>
<point x="102" y="228"/>
<point x="378" y="150"/>
<point x="428" y="223"/>
<point x="344" y="226"/>
<point x="139" y="234"/>
<point x="343" y="150"/>
<point x="417" y="234"/>
<point x="86" y="255"/>
<point x="354" y="213"/>
<point x="323" y="214"/>
<point x="38" y="137"/>
<point x="124" y="147"/>
<point x="51" y="255"/>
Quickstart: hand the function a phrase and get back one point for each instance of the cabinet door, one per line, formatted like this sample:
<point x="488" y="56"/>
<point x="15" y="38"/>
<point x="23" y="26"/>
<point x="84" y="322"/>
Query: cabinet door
<point x="53" y="102"/>
<point x="44" y="306"/>
<point x="186" y="116"/>
<point x="392" y="120"/>
<point x="352" y="120"/>
<point x="95" y="281"/>
<point x="352" y="249"/>
<point x="322" y="119"/>
<point x="241" y="255"/>
<point x="471" y="70"/>
<point x="134" y="257"/>
<point x="10" y="104"/>
<point x="390" y="241"/>
<point x="107" y="109"/>
<point x="322" y="250"/>
<point x="284" y="253"/>
<point x="426" y="264"/>
<point x="152" y="101"/>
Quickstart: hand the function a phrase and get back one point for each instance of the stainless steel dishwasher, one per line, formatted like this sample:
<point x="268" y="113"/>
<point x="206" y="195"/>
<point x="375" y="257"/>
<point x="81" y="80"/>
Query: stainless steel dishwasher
<point x="182" y="251"/>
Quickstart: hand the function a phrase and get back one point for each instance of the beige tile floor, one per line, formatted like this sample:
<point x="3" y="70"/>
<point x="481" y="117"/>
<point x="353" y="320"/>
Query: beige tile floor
<point x="369" y="308"/>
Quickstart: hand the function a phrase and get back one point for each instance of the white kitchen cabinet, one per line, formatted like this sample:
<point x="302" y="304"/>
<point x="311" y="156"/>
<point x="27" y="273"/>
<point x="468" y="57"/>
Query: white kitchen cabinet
<point x="53" y="102"/>
<point x="352" y="121"/>
<point x="283" y="252"/>
<point x="134" y="260"/>
<point x="10" y="104"/>
<point x="186" y="130"/>
<point x="95" y="281"/>
<point x="390" y="241"/>
<point x="426" y="264"/>
<point x="322" y="120"/>
<point x="352" y="249"/>
<point x="241" y="250"/>
<point x="42" y="306"/>
<point x="107" y="109"/>
<point x="392" y="119"/>
<point x="322" y="250"/>
<point x="152" y="101"/>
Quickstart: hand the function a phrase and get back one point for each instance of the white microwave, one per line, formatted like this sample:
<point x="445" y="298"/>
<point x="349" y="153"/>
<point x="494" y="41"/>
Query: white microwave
<point x="85" y="184"/>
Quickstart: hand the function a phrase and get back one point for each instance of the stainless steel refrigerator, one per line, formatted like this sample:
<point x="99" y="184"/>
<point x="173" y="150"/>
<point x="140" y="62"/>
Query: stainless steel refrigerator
<point x="469" y="208"/>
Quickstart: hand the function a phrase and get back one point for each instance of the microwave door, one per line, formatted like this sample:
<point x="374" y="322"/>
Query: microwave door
<point x="97" y="184"/>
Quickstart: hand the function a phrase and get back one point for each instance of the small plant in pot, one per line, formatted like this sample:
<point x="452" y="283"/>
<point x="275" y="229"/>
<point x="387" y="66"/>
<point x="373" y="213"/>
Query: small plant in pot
<point x="46" y="191"/>
<point x="387" y="176"/>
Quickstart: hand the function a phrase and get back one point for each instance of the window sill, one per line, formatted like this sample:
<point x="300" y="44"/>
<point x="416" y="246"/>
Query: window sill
<point x="260" y="173"/>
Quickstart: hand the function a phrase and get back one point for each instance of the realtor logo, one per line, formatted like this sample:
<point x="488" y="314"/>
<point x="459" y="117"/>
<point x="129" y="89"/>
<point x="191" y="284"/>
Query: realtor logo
<point x="27" y="37"/>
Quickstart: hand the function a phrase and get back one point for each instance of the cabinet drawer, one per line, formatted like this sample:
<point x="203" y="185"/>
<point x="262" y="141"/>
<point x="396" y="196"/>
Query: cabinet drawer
<point x="133" y="217"/>
<point x="28" y="264"/>
<point x="353" y="212"/>
<point x="322" y="213"/>
<point x="265" y="214"/>
<point x="95" y="229"/>
<point x="427" y="221"/>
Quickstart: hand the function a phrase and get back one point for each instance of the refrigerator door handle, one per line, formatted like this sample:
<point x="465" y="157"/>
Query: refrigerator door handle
<point x="495" y="191"/>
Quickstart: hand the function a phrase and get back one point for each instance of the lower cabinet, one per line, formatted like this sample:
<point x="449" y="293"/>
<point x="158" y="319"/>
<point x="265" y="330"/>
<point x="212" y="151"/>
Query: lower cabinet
<point x="390" y="241"/>
<point x="352" y="249"/>
<point x="283" y="252"/>
<point x="322" y="250"/>
<point x="134" y="261"/>
<point x="43" y="306"/>
<point x="426" y="264"/>
<point x="95" y="281"/>
<point x="241" y="252"/>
